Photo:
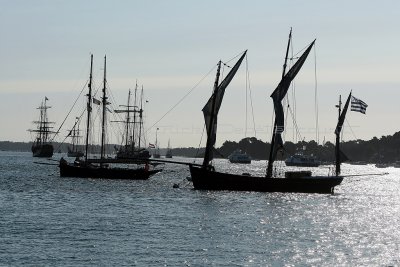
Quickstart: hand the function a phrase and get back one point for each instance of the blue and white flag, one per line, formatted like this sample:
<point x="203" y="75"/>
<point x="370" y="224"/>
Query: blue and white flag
<point x="358" y="105"/>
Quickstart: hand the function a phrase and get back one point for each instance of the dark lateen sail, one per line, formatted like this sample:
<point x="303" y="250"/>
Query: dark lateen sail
<point x="211" y="109"/>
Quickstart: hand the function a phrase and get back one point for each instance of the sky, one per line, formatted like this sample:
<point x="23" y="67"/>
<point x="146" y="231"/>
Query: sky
<point x="172" y="47"/>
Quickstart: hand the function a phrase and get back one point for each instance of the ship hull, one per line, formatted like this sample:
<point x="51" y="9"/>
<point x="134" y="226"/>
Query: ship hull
<point x="205" y="179"/>
<point x="43" y="151"/>
<point x="93" y="171"/>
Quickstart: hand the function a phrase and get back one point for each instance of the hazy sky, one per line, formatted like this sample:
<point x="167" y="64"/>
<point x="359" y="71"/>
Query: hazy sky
<point x="169" y="46"/>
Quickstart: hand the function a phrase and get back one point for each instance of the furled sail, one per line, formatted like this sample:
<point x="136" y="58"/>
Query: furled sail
<point x="210" y="115"/>
<point x="279" y="94"/>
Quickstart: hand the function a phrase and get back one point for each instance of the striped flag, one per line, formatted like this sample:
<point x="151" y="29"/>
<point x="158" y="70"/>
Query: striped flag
<point x="152" y="145"/>
<point x="358" y="105"/>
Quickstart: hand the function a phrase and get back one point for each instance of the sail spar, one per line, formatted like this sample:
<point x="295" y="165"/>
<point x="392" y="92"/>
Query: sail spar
<point x="280" y="92"/>
<point x="210" y="110"/>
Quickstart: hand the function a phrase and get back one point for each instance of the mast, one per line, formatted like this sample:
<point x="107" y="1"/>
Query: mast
<point x="342" y="116"/>
<point x="104" y="99"/>
<point x="337" y="149"/>
<point x="44" y="121"/>
<point x="271" y="152"/>
<point x="210" y="129"/>
<point x="89" y="107"/>
<point x="134" y="120"/>
<point x="127" y="120"/>
<point x="41" y="125"/>
<point x="140" y="116"/>
<point x="73" y="137"/>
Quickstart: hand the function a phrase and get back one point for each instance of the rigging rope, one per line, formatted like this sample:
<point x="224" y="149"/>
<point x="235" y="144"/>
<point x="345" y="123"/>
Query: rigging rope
<point x="76" y="100"/>
<point x="351" y="129"/>
<point x="180" y="100"/>
<point x="201" y="139"/>
<point x="251" y="97"/>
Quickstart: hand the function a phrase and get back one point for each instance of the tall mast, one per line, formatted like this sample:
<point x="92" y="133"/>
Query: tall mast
<point x="73" y="137"/>
<point x="89" y="107"/>
<point x="342" y="116"/>
<point x="140" y="116"/>
<point x="210" y="128"/>
<point x="127" y="134"/>
<point x="134" y="120"/>
<point x="45" y="127"/>
<point x="41" y="125"/>
<point x="271" y="151"/>
<point x="337" y="149"/>
<point x="104" y="99"/>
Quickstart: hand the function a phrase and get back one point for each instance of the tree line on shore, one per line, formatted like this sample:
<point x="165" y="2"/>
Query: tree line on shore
<point x="377" y="150"/>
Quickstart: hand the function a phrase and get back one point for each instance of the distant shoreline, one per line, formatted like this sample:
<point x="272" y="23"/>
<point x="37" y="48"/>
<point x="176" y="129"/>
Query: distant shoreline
<point x="383" y="151"/>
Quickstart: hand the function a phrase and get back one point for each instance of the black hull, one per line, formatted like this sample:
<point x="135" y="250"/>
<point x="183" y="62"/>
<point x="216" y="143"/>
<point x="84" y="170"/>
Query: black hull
<point x="90" y="171"/>
<point x="205" y="179"/>
<point x="43" y="151"/>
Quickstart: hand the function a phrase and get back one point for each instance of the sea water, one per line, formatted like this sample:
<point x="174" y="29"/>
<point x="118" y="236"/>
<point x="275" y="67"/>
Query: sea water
<point x="46" y="220"/>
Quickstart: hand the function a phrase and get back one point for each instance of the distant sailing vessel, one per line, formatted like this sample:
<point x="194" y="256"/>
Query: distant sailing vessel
<point x="42" y="147"/>
<point x="133" y="130"/>
<point x="156" y="152"/>
<point x="74" y="133"/>
<point x="168" y="154"/>
<point x="238" y="156"/>
<point x="100" y="168"/>
<point x="205" y="177"/>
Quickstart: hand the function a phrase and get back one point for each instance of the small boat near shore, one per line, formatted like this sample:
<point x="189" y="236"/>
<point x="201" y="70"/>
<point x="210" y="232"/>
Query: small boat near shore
<point x="238" y="156"/>
<point x="302" y="160"/>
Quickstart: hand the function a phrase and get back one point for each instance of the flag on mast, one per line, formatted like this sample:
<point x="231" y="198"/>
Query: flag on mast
<point x="358" y="105"/>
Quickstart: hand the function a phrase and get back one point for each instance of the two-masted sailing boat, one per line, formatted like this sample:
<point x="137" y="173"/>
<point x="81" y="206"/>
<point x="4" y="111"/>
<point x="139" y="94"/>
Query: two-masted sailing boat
<point x="205" y="176"/>
<point x="74" y="133"/>
<point x="133" y="130"/>
<point x="100" y="168"/>
<point x="42" y="147"/>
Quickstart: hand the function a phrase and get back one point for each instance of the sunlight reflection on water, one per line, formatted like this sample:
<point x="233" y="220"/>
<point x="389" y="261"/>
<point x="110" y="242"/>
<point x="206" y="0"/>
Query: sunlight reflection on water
<point x="48" y="220"/>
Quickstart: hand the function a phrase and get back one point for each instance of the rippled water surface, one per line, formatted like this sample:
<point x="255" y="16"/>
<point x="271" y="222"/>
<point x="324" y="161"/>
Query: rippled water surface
<point x="51" y="221"/>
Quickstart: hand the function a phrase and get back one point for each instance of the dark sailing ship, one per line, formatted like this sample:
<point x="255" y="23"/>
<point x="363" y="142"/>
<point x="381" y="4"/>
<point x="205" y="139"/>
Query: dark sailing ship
<point x="133" y="130"/>
<point x="99" y="168"/>
<point x="74" y="133"/>
<point x="42" y="146"/>
<point x="205" y="177"/>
